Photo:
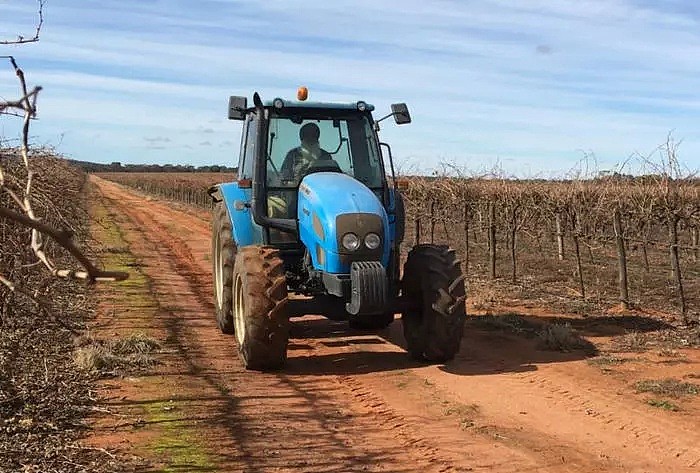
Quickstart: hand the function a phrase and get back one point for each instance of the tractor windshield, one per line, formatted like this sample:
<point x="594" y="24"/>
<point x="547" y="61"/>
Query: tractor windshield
<point x="297" y="145"/>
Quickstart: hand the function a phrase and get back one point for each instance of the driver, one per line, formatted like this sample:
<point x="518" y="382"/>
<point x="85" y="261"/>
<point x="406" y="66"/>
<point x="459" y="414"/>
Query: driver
<point x="294" y="167"/>
<point x="299" y="159"/>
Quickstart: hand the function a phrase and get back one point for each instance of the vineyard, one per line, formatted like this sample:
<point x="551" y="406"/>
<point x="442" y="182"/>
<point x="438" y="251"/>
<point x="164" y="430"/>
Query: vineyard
<point x="596" y="243"/>
<point x="583" y="246"/>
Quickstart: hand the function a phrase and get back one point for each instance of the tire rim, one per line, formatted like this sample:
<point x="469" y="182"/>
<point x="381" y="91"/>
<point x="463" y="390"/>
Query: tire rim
<point x="219" y="271"/>
<point x="239" y="310"/>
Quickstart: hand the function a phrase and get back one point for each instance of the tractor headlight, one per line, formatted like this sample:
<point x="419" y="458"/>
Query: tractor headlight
<point x="278" y="103"/>
<point x="351" y="242"/>
<point x="361" y="106"/>
<point x="372" y="241"/>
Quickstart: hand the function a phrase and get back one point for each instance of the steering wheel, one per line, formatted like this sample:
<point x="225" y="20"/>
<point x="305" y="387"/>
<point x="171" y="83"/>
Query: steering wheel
<point x="324" y="165"/>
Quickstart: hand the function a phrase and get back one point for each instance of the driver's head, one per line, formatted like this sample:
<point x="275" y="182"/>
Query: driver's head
<point x="309" y="133"/>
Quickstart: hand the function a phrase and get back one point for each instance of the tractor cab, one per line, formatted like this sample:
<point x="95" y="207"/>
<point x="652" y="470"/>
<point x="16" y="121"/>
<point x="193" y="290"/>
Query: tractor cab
<point x="301" y="141"/>
<point x="283" y="141"/>
<point x="315" y="212"/>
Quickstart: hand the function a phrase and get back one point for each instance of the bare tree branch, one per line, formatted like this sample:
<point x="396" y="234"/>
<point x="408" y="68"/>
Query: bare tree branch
<point x="22" y="197"/>
<point x="19" y="104"/>
<point x="21" y="39"/>
<point x="65" y="239"/>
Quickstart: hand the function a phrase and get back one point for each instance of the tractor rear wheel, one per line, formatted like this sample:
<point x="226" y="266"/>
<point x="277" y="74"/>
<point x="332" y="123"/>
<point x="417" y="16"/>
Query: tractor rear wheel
<point x="433" y="280"/>
<point x="259" y="307"/>
<point x="223" y="254"/>
<point x="371" y="322"/>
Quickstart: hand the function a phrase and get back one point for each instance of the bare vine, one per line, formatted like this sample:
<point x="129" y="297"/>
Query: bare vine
<point x="600" y="215"/>
<point x="32" y="39"/>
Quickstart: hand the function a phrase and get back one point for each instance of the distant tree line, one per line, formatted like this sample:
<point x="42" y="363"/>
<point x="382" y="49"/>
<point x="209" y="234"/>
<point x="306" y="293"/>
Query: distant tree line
<point x="119" y="167"/>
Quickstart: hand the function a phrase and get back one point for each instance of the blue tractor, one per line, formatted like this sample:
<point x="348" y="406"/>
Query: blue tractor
<point x="314" y="225"/>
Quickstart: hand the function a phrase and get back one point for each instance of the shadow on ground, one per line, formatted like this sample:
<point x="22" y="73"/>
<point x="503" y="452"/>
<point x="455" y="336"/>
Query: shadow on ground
<point x="491" y="345"/>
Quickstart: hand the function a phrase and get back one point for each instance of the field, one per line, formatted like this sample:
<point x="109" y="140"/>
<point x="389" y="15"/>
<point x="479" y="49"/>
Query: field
<point x="548" y="378"/>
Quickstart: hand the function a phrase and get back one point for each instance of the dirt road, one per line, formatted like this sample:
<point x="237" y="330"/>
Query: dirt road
<point x="350" y="401"/>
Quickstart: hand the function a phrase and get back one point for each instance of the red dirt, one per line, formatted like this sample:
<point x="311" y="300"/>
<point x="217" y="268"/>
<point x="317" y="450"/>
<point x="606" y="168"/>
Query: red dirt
<point x="355" y="402"/>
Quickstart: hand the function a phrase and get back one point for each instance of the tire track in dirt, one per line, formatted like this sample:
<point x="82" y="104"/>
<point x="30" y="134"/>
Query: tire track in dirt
<point x="404" y="438"/>
<point x="350" y="402"/>
<point x="382" y="418"/>
<point x="313" y="426"/>
<point x="567" y="402"/>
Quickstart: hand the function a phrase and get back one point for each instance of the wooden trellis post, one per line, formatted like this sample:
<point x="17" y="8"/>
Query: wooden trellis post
<point x="492" y="240"/>
<point x="466" y="237"/>
<point x="622" y="259"/>
<point x="432" y="221"/>
<point x="675" y="263"/>
<point x="560" y="236"/>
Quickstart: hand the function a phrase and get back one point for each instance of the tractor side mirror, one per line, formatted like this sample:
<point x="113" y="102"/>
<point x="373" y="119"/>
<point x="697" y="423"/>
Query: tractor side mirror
<point x="237" y="107"/>
<point x="400" y="112"/>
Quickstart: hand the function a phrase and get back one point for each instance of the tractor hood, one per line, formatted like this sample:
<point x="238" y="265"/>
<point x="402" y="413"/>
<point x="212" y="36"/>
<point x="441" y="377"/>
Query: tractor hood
<point x="332" y="205"/>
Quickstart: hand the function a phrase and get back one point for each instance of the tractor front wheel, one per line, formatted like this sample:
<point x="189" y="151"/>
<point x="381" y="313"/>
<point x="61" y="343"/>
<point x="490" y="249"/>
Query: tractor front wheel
<point x="223" y="253"/>
<point x="259" y="300"/>
<point x="433" y="280"/>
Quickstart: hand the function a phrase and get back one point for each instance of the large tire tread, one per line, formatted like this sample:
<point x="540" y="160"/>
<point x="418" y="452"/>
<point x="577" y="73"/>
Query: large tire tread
<point x="266" y="320"/>
<point x="434" y="280"/>
<point x="221" y="225"/>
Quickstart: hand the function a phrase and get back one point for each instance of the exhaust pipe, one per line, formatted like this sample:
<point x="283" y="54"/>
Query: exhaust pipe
<point x="259" y="203"/>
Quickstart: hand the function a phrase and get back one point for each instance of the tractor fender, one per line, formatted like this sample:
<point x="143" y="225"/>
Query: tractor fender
<point x="237" y="202"/>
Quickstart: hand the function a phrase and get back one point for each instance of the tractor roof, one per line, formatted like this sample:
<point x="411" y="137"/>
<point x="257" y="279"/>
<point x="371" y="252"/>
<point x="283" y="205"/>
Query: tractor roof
<point x="324" y="105"/>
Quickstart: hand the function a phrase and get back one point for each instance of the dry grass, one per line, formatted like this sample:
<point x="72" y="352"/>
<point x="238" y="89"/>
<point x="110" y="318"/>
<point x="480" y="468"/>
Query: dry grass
<point x="561" y="337"/>
<point x="137" y="343"/>
<point x="633" y="342"/>
<point x="680" y="337"/>
<point x="110" y="356"/>
<point x="667" y="387"/>
<point x="667" y="340"/>
<point x="464" y="413"/>
<point x="663" y="404"/>
<point x="608" y="360"/>
<point x="510" y="323"/>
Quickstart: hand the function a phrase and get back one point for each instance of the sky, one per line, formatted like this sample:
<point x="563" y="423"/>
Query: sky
<point x="534" y="88"/>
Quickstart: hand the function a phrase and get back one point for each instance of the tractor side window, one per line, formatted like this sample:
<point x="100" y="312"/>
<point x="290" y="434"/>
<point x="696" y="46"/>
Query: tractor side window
<point x="283" y="137"/>
<point x="365" y="157"/>
<point x="247" y="170"/>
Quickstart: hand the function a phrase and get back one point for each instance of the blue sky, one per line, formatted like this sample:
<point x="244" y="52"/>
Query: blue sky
<point x="530" y="86"/>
